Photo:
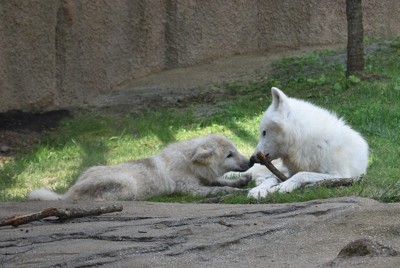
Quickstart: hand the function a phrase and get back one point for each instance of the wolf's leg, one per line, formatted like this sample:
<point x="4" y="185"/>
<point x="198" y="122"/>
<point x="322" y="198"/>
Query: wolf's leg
<point x="301" y="179"/>
<point x="298" y="180"/>
<point x="263" y="189"/>
<point x="259" y="173"/>
<point x="242" y="181"/>
<point x="98" y="190"/>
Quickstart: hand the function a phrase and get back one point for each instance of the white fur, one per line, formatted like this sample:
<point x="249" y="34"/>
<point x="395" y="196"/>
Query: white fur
<point x="194" y="166"/>
<point x="44" y="194"/>
<point x="313" y="144"/>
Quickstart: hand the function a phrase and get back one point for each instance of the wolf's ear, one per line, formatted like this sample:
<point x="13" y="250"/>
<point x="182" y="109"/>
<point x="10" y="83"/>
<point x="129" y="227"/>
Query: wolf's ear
<point x="279" y="100"/>
<point x="202" y="155"/>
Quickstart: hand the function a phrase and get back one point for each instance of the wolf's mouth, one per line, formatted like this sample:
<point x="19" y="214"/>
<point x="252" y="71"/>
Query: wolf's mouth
<point x="253" y="160"/>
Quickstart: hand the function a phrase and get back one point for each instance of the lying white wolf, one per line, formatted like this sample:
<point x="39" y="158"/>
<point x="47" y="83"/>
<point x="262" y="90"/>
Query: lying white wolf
<point x="313" y="144"/>
<point x="194" y="166"/>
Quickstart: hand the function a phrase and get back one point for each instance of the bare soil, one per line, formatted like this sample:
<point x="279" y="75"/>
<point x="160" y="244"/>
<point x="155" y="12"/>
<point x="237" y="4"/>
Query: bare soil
<point x="20" y="131"/>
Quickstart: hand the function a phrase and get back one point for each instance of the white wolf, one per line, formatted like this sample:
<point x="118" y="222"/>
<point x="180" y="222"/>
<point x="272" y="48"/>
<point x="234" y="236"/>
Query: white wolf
<point x="312" y="143"/>
<point x="194" y="166"/>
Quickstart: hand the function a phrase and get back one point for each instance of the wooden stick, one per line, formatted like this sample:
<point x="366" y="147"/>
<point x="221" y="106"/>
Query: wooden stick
<point x="61" y="213"/>
<point x="266" y="161"/>
<point x="330" y="183"/>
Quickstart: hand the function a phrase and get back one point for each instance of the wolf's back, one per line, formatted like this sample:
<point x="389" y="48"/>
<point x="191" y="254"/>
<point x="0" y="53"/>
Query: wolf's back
<point x="44" y="194"/>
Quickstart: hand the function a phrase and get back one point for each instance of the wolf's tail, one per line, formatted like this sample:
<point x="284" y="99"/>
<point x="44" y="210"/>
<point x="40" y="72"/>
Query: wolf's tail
<point x="44" y="194"/>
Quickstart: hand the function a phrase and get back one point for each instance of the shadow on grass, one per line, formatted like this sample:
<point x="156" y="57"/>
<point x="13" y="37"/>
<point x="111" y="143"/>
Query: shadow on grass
<point x="92" y="154"/>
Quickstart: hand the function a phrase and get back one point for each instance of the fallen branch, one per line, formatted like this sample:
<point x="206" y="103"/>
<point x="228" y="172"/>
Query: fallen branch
<point x="61" y="213"/>
<point x="329" y="183"/>
<point x="266" y="161"/>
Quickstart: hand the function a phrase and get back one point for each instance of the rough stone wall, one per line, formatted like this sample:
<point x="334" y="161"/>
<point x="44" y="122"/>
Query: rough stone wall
<point x="57" y="53"/>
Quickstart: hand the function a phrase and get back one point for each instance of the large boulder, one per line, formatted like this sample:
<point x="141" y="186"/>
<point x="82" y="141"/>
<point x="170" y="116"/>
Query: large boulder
<point x="344" y="232"/>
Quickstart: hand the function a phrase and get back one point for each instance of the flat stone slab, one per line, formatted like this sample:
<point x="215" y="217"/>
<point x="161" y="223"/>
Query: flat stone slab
<point x="339" y="232"/>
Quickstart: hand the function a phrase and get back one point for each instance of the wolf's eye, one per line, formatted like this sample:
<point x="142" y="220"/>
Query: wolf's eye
<point x="264" y="133"/>
<point x="229" y="155"/>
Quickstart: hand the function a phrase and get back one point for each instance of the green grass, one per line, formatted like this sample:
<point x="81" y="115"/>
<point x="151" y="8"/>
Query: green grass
<point x="370" y="104"/>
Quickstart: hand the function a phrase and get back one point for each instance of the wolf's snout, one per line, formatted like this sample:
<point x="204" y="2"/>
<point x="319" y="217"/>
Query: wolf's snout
<point x="253" y="159"/>
<point x="244" y="165"/>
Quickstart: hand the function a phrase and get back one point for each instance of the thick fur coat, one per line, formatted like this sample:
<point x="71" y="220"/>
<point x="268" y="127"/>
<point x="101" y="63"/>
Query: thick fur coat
<point x="193" y="167"/>
<point x="312" y="144"/>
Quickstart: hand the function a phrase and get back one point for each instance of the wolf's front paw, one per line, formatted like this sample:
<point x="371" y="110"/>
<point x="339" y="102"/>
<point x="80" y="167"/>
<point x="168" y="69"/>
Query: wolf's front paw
<point x="261" y="179"/>
<point x="257" y="193"/>
<point x="264" y="188"/>
<point x="246" y="178"/>
<point x="287" y="186"/>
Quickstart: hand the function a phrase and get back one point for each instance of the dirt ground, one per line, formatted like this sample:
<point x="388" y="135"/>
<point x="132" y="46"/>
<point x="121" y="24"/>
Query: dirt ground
<point x="19" y="130"/>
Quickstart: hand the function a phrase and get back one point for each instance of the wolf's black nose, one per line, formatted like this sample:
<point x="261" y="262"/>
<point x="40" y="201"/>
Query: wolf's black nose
<point x="253" y="160"/>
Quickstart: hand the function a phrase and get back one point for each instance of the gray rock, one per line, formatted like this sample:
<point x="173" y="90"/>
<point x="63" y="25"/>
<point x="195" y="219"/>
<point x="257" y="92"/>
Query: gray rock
<point x="144" y="234"/>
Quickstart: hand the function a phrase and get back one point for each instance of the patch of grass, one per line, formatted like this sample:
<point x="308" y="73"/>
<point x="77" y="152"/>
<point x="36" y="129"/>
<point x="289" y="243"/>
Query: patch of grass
<point x="176" y="198"/>
<point x="369" y="104"/>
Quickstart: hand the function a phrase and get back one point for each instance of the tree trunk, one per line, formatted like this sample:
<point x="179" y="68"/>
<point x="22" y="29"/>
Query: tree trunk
<point x="355" y="45"/>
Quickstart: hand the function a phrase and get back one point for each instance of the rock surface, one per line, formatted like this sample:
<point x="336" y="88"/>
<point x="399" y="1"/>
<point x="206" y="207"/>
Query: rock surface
<point x="342" y="232"/>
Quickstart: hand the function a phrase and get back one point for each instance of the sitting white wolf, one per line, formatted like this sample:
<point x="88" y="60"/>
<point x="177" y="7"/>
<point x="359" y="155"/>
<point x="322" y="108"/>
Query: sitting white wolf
<point x="194" y="166"/>
<point x="312" y="143"/>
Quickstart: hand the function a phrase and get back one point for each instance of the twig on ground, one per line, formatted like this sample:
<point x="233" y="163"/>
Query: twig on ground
<point x="330" y="183"/>
<point x="266" y="161"/>
<point x="61" y="213"/>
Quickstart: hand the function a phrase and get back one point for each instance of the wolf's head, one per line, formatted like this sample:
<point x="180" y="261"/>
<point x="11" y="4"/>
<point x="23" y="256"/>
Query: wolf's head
<point x="274" y="128"/>
<point x="216" y="155"/>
